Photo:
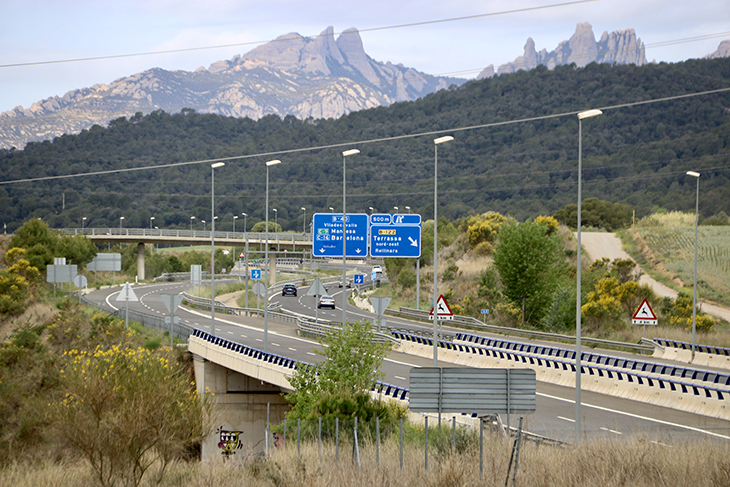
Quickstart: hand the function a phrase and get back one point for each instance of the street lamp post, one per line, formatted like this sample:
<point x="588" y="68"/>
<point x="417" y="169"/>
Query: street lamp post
<point x="694" y="293"/>
<point x="345" y="154"/>
<point x="203" y="224"/>
<point x="121" y="218"/>
<point x="578" y="366"/>
<point x="332" y="210"/>
<point x="276" y="220"/>
<point x="235" y="217"/>
<point x="83" y="224"/>
<point x="266" y="258"/>
<point x="191" y="223"/>
<point x="245" y="216"/>
<point x="409" y="209"/>
<point x="396" y="209"/>
<point x="304" y="220"/>
<point x="213" y="167"/>
<point x="436" y="143"/>
<point x="151" y="218"/>
<point x="372" y="210"/>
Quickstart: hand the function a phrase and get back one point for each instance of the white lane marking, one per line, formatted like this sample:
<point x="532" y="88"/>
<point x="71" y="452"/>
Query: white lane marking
<point x="311" y="353"/>
<point x="244" y="336"/>
<point x="399" y="377"/>
<point x="566" y="419"/>
<point x="653" y="420"/>
<point x="230" y="332"/>
<point x="610" y="431"/>
<point x="259" y="340"/>
<point x="293" y="349"/>
<point x="275" y="344"/>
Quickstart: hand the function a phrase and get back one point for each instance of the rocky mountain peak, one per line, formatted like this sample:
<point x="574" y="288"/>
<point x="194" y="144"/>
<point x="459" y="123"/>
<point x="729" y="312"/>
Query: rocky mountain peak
<point x="620" y="47"/>
<point x="318" y="77"/>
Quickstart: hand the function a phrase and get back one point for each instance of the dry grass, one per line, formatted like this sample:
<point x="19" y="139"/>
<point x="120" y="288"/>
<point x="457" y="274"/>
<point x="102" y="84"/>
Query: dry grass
<point x="598" y="463"/>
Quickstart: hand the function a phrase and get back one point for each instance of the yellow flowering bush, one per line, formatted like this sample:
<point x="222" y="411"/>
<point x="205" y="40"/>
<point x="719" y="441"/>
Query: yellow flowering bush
<point x="127" y="410"/>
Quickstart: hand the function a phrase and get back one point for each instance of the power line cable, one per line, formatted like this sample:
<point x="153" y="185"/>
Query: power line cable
<point x="340" y="145"/>
<point x="254" y="43"/>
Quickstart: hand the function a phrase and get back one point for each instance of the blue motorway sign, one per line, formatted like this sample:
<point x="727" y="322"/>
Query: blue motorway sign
<point x="327" y="228"/>
<point x="255" y="273"/>
<point x="359" y="278"/>
<point x="395" y="236"/>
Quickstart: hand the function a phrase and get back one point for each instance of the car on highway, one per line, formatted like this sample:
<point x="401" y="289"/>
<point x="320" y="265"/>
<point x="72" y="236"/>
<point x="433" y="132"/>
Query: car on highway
<point x="289" y="290"/>
<point x="348" y="283"/>
<point x="377" y="269"/>
<point x="326" y="301"/>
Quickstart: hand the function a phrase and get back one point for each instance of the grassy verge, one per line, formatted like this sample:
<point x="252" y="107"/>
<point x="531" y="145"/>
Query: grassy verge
<point x="596" y="463"/>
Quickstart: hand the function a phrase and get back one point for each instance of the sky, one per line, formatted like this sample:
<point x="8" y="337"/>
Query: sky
<point x="482" y="32"/>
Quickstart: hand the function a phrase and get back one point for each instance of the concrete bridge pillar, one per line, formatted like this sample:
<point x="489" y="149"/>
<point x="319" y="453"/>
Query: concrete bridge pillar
<point x="272" y="269"/>
<point x="239" y="411"/>
<point x="140" y="261"/>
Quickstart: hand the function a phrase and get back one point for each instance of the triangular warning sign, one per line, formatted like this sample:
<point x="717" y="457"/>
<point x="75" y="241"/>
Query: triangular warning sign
<point x="126" y="294"/>
<point x="644" y="315"/>
<point x="442" y="309"/>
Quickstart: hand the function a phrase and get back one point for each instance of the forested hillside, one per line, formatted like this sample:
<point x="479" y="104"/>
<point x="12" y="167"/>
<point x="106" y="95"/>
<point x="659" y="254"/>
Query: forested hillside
<point x="636" y="154"/>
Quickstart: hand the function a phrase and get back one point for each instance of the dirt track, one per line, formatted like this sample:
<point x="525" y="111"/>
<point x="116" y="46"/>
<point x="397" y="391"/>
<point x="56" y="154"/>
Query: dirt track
<point x="598" y="245"/>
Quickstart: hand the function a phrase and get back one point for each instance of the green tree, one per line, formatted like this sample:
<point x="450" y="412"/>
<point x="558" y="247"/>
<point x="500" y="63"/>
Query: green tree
<point x="529" y="263"/>
<point x="351" y="366"/>
<point x="261" y="227"/>
<point x="39" y="242"/>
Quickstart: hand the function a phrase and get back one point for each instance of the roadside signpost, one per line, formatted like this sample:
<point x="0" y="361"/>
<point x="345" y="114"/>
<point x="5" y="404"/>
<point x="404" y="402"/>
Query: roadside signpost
<point x="395" y="236"/>
<point x="316" y="290"/>
<point x="644" y="316"/>
<point x="443" y="310"/>
<point x="172" y="301"/>
<point x="327" y="229"/>
<point x="127" y="295"/>
<point x="380" y="304"/>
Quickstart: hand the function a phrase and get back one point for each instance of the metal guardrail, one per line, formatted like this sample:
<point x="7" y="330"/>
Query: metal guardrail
<point x="698" y="348"/>
<point x="473" y="322"/>
<point x="322" y="329"/>
<point x="153" y="322"/>
<point x="599" y="359"/>
<point x="590" y="370"/>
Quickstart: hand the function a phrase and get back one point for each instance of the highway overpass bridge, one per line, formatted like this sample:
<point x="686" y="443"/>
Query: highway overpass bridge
<point x="252" y="241"/>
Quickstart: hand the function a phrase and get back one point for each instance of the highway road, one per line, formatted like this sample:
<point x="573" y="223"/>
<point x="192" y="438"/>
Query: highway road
<point x="603" y="416"/>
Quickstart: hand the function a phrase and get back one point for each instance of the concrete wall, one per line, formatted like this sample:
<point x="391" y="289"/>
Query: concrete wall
<point x="240" y="389"/>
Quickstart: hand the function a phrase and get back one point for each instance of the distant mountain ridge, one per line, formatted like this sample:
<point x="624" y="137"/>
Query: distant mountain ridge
<point x="320" y="77"/>
<point x="619" y="47"/>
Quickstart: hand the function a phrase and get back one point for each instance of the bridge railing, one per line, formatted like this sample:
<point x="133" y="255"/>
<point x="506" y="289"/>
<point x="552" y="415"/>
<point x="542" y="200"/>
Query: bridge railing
<point x="274" y="237"/>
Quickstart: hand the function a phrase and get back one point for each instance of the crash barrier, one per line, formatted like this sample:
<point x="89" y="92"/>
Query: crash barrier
<point x="319" y="329"/>
<point x="696" y="398"/>
<point x="381" y="388"/>
<point x="222" y="308"/>
<point x="704" y="354"/>
<point x="153" y="322"/>
<point x="599" y="359"/>
<point x="474" y="323"/>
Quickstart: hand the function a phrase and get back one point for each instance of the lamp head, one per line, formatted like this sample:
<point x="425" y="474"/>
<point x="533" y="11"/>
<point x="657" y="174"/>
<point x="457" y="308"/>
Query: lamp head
<point x="693" y="174"/>
<point x="350" y="152"/>
<point x="273" y="163"/>
<point x="589" y="113"/>
<point x="217" y="165"/>
<point x="441" y="140"/>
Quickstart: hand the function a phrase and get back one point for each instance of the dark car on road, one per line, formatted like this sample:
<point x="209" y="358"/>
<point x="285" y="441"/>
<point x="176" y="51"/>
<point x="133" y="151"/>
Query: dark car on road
<point x="289" y="290"/>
